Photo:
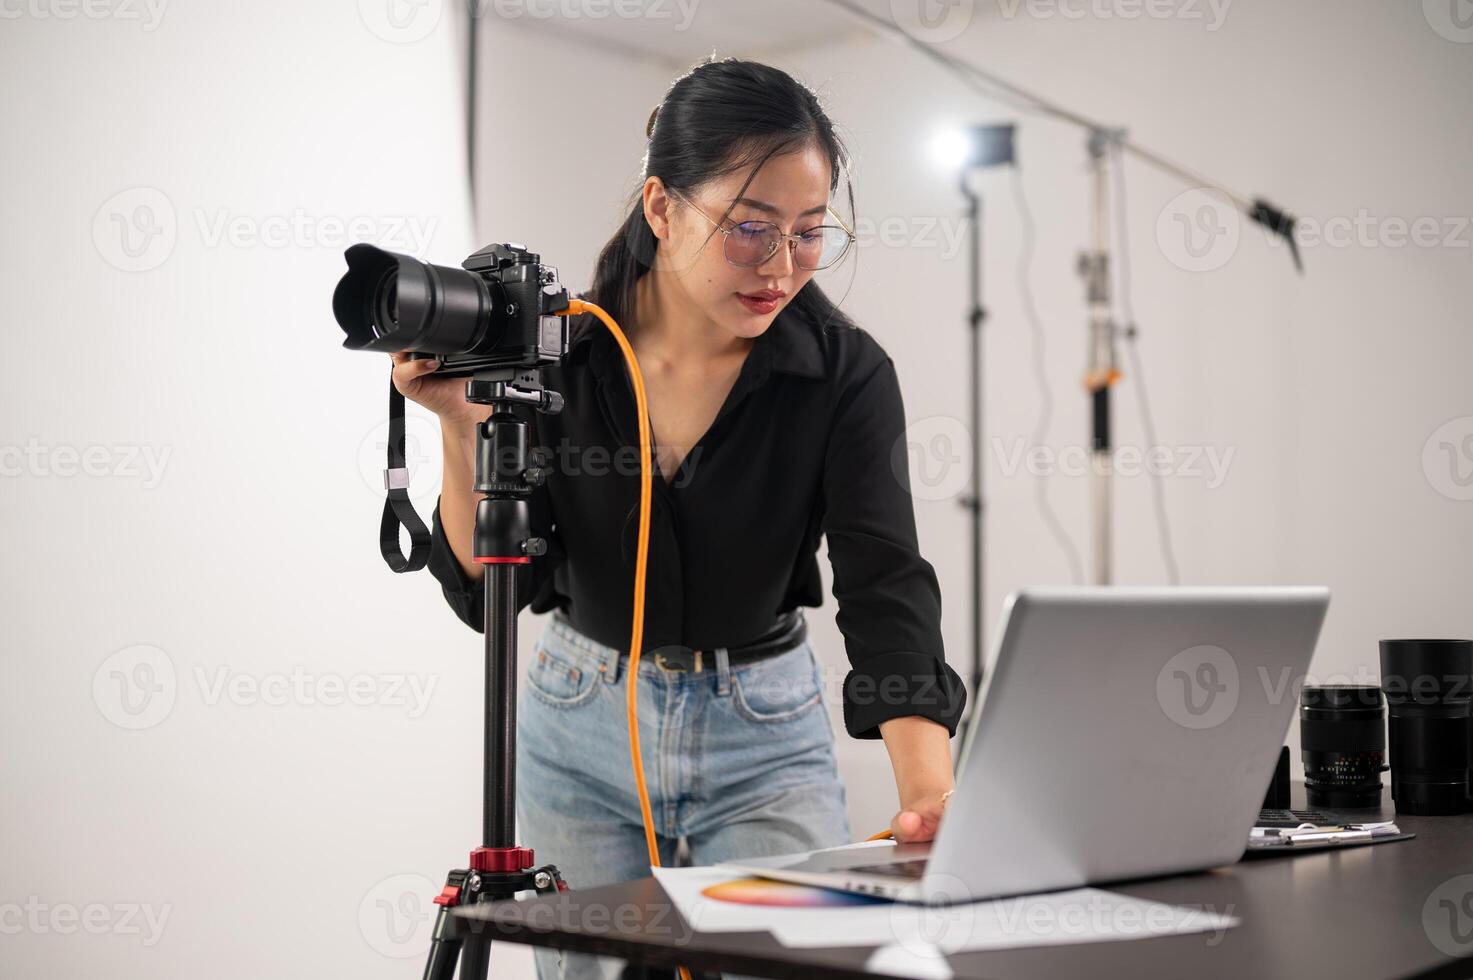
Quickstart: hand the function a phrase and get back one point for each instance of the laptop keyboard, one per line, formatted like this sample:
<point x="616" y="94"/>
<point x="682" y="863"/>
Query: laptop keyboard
<point x="895" y="869"/>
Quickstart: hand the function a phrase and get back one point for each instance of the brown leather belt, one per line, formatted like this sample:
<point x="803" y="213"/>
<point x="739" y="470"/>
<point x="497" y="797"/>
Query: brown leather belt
<point x="791" y="630"/>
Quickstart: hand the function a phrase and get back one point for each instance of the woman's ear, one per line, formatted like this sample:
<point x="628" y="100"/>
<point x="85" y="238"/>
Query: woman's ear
<point x="656" y="207"/>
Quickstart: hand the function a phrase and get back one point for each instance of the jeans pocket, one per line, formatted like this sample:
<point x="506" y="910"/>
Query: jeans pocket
<point x="562" y="678"/>
<point x="777" y="688"/>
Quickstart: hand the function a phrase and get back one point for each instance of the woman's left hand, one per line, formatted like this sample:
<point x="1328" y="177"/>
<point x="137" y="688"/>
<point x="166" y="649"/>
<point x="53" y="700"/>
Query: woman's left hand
<point x="919" y="819"/>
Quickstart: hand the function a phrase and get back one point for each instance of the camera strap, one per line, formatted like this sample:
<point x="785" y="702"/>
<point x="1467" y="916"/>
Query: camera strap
<point x="398" y="510"/>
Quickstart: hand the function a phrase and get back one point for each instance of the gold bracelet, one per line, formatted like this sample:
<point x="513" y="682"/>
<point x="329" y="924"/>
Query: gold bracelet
<point x="944" y="796"/>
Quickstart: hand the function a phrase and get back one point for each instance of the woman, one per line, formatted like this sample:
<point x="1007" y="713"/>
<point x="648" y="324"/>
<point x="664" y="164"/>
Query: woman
<point x="775" y="421"/>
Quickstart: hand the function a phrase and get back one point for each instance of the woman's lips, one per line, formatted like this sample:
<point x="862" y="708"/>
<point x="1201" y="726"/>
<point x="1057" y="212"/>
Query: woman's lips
<point x="757" y="305"/>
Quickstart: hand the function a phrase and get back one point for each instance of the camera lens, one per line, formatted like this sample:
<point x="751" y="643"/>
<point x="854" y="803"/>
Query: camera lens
<point x="386" y="305"/>
<point x="1342" y="737"/>
<point x="392" y="302"/>
<point x="1427" y="686"/>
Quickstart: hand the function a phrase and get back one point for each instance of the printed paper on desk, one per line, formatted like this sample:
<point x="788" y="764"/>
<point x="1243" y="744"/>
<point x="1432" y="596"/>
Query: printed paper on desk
<point x="685" y="886"/>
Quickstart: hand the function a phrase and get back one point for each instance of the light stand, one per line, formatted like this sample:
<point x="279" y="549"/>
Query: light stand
<point x="503" y="542"/>
<point x="981" y="147"/>
<point x="1102" y="371"/>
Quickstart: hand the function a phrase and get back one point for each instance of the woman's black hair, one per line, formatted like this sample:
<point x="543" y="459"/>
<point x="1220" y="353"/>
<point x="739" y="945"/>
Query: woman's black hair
<point x="720" y="117"/>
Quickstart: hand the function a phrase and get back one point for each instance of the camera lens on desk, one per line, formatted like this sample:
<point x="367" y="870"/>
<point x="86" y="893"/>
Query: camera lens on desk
<point x="1428" y="684"/>
<point x="1342" y="738"/>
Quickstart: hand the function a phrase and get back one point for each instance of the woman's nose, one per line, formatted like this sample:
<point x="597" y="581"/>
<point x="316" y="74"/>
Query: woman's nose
<point x="780" y="262"/>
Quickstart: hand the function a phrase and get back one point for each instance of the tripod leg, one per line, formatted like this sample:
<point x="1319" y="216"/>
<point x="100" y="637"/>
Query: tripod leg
<point x="475" y="958"/>
<point x="444" y="948"/>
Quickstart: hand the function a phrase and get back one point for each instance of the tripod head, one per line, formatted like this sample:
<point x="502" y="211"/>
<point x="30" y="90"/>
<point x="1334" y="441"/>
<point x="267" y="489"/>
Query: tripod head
<point x="506" y="472"/>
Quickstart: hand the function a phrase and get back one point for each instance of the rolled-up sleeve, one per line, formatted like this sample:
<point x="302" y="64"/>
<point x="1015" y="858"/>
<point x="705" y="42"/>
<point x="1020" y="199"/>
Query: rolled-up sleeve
<point x="888" y="595"/>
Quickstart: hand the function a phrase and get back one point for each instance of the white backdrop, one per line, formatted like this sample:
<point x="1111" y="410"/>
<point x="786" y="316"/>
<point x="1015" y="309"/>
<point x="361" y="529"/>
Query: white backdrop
<point x="233" y="742"/>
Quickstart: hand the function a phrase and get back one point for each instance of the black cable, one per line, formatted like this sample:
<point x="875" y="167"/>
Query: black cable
<point x="1040" y="374"/>
<point x="1132" y="332"/>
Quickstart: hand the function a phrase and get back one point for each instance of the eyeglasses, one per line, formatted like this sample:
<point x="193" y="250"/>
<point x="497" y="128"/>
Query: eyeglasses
<point x="751" y="243"/>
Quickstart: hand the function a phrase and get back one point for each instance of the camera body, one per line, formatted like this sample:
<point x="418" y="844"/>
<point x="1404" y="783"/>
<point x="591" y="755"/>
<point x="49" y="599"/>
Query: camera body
<point x="498" y="312"/>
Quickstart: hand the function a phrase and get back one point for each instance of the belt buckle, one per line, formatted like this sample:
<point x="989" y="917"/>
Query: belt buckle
<point x="661" y="660"/>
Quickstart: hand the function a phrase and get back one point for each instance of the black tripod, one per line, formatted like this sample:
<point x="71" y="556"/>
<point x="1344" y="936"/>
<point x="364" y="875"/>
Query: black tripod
<point x="503" y="542"/>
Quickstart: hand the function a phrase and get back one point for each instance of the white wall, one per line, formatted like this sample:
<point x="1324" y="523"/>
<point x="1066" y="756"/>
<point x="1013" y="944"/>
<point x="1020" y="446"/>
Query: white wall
<point x="266" y="835"/>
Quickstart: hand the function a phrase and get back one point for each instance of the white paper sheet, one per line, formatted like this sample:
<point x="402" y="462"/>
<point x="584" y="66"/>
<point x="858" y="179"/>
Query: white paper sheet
<point x="919" y="962"/>
<point x="1056" y="918"/>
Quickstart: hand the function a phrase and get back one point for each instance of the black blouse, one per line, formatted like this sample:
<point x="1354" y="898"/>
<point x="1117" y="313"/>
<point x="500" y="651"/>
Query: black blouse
<point x="809" y="442"/>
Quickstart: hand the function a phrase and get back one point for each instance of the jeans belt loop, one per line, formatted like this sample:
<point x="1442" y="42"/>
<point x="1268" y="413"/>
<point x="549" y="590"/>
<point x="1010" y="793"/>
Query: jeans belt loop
<point x="723" y="672"/>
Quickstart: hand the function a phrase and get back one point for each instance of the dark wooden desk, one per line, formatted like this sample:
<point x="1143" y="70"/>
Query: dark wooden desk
<point x="1350" y="913"/>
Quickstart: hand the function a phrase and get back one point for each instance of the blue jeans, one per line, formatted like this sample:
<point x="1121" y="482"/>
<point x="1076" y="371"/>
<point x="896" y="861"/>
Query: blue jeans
<point x="739" y="761"/>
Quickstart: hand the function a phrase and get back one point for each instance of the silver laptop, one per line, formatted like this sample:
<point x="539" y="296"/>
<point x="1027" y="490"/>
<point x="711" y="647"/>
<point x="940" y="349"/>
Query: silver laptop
<point x="1126" y="732"/>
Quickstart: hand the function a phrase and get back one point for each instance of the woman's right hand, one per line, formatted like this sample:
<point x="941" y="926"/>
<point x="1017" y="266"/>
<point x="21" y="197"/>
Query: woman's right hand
<point x="414" y="377"/>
